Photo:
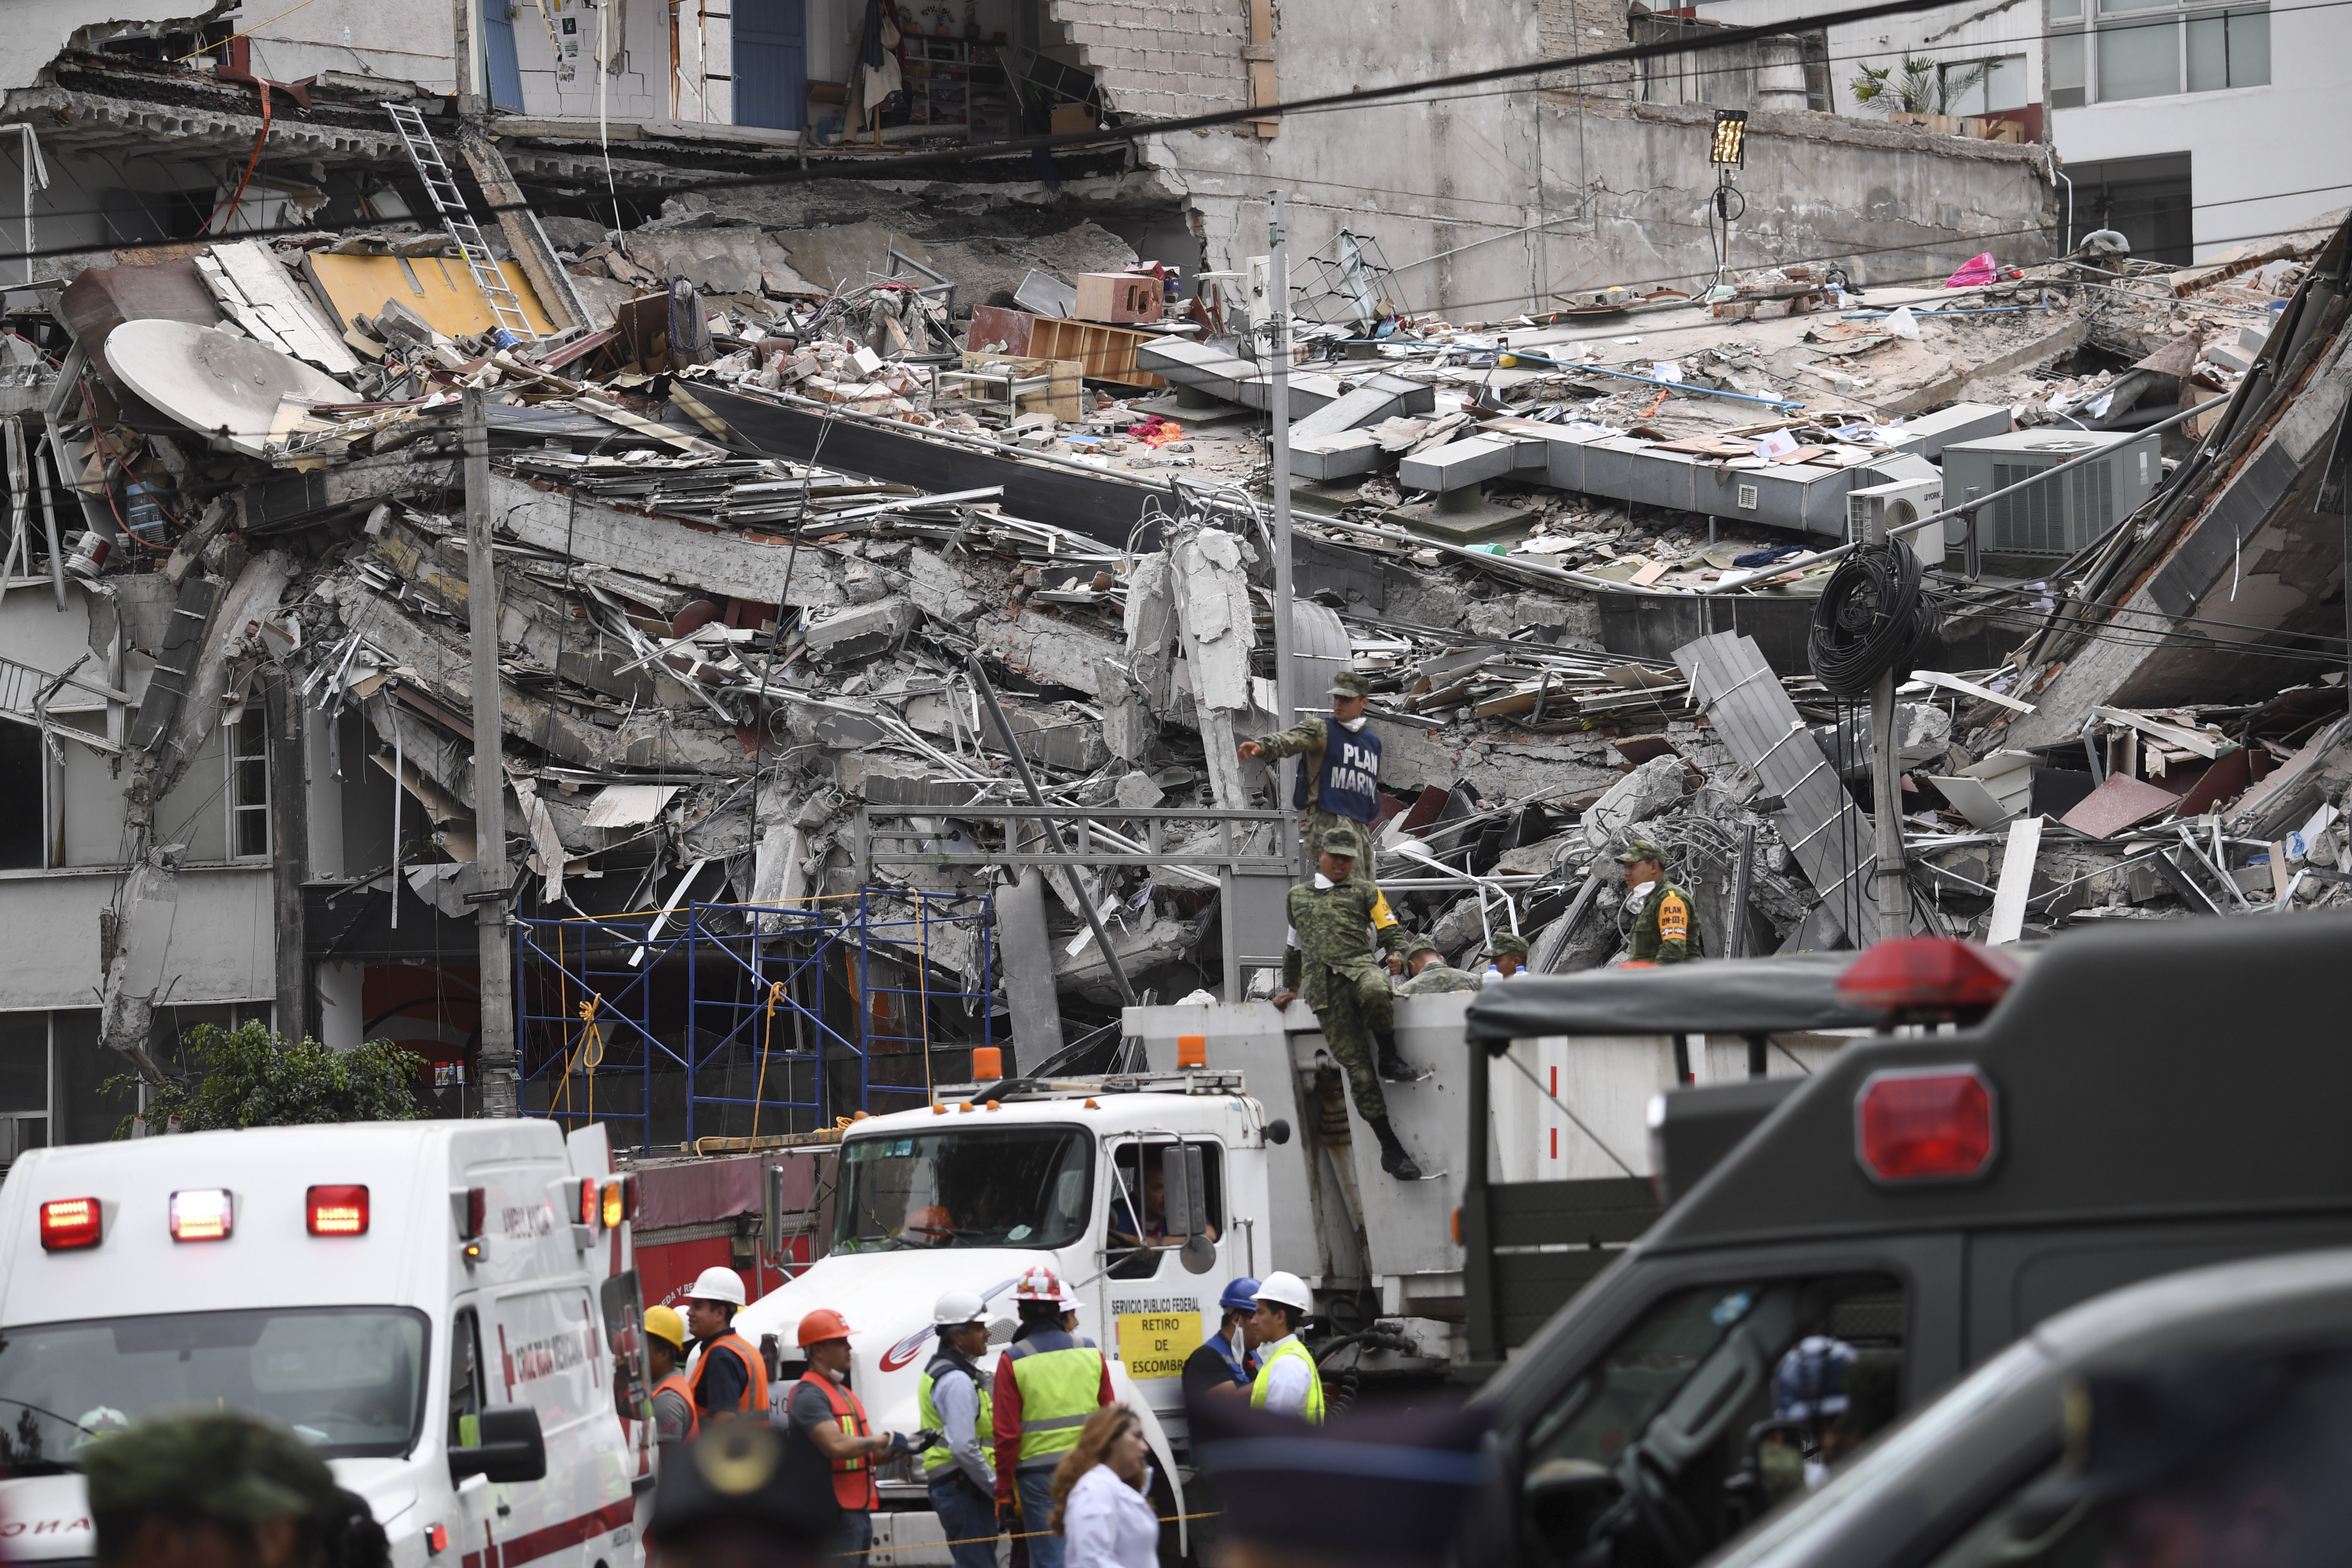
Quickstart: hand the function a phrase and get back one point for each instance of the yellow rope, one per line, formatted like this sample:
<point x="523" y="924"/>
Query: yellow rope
<point x="590" y="1053"/>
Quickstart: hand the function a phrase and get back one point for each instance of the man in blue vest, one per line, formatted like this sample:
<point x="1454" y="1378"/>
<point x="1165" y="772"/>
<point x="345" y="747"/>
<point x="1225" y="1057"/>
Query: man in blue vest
<point x="1227" y="1359"/>
<point x="1339" y="781"/>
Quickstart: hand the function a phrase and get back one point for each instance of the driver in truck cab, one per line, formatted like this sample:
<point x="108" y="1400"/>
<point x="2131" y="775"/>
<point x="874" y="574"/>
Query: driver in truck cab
<point x="729" y="1379"/>
<point x="1154" y="1232"/>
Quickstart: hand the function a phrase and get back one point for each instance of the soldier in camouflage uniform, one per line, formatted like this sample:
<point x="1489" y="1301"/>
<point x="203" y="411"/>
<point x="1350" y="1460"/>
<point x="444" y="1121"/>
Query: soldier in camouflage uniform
<point x="223" y="1486"/>
<point x="1665" y="920"/>
<point x="1338" y="776"/>
<point x="1506" y="955"/>
<point x="1431" y="975"/>
<point x="1332" y="962"/>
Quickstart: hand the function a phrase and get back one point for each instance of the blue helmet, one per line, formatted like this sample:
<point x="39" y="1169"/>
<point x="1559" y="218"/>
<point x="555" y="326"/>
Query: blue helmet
<point x="1811" y="1380"/>
<point x="1241" y="1295"/>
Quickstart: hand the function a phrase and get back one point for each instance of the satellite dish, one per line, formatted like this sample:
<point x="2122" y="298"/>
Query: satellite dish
<point x="212" y="381"/>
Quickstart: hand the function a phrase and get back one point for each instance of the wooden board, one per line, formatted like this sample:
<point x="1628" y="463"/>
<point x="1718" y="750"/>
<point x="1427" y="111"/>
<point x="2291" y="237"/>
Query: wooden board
<point x="437" y="288"/>
<point x="1106" y="353"/>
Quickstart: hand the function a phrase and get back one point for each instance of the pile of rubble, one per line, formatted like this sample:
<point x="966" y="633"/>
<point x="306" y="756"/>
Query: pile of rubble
<point x="734" y="673"/>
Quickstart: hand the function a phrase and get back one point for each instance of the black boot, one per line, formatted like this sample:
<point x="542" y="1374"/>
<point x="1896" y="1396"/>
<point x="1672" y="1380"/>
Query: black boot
<point x="1393" y="1159"/>
<point x="1394" y="1066"/>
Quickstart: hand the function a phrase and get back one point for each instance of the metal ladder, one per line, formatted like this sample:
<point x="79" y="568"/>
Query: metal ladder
<point x="441" y="187"/>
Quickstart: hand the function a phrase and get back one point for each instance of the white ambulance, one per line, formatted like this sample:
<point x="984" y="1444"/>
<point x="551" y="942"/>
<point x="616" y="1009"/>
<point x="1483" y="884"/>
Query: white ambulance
<point x="436" y="1306"/>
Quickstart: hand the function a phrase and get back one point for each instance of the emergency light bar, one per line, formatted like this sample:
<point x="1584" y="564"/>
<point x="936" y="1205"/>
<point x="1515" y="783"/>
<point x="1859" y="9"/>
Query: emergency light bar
<point x="69" y="1222"/>
<point x="203" y="1214"/>
<point x="1919" y="1124"/>
<point x="337" y="1211"/>
<point x="1930" y="974"/>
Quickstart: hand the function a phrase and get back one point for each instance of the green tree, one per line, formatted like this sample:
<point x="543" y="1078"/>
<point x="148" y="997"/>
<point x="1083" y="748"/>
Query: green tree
<point x="1920" y="87"/>
<point x="248" y="1077"/>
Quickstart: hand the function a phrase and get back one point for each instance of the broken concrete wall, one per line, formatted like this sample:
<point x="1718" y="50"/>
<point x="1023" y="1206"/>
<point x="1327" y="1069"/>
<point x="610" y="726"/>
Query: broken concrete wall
<point x="1607" y="190"/>
<point x="1162" y="61"/>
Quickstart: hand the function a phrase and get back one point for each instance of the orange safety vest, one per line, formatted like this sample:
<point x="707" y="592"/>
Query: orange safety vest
<point x="677" y="1383"/>
<point x="755" y="1386"/>
<point x="852" y="1479"/>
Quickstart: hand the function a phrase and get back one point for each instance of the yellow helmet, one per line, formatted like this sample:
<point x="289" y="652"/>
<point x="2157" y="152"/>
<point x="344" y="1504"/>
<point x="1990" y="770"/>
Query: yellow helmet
<point x="662" y="1322"/>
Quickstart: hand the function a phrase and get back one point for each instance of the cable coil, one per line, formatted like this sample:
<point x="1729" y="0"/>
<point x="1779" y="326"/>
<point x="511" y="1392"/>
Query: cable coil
<point x="1872" y="617"/>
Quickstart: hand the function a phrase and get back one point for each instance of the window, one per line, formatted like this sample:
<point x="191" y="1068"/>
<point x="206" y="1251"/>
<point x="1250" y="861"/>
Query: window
<point x="2154" y="48"/>
<point x="1985" y="87"/>
<point x="248" y="786"/>
<point x="1668" y="1443"/>
<point x="1138" y="1175"/>
<point x="23" y="776"/>
<point x="349" y="1380"/>
<point x="24" y="1084"/>
<point x="2232" y="49"/>
<point x="2148" y="199"/>
<point x="467" y="1394"/>
<point x="1023" y="1186"/>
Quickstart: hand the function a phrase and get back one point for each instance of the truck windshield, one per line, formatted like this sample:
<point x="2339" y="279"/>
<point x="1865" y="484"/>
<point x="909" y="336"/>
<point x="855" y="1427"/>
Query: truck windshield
<point x="349" y="1380"/>
<point x="1023" y="1186"/>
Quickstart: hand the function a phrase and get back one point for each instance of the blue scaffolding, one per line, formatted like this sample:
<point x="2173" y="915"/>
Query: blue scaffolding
<point x="741" y="1021"/>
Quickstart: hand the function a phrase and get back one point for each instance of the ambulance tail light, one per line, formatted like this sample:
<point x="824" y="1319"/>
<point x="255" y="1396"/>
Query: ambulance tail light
<point x="590" y="1206"/>
<point x="67" y="1224"/>
<point x="203" y="1214"/>
<point x="477" y="1210"/>
<point x="337" y="1211"/>
<point x="628" y="1197"/>
<point x="1931" y="975"/>
<point x="615" y="1205"/>
<point x="1925" y="1124"/>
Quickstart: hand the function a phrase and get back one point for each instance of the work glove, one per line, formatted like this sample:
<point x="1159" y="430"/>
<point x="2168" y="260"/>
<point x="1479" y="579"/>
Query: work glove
<point x="1008" y="1515"/>
<point x="914" y="1443"/>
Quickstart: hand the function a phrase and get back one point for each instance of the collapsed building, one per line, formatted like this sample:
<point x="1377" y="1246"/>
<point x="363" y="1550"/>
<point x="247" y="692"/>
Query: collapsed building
<point x="877" y="619"/>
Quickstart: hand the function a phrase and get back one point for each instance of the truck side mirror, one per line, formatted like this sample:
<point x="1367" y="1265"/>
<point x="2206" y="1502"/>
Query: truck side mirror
<point x="1277" y="1130"/>
<point x="508" y="1446"/>
<point x="1182" y="1168"/>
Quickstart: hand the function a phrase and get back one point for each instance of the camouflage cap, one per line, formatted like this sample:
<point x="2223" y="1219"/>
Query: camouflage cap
<point x="1507" y="943"/>
<point x="1344" y="841"/>
<point x="222" y="1465"/>
<point x="1640" y="849"/>
<point x="1414" y="946"/>
<point x="1347" y="683"/>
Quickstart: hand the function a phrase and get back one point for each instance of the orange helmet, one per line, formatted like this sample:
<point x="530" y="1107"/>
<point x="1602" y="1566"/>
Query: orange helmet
<point x="820" y="1325"/>
<point x="1040" y="1283"/>
<point x="930" y="1226"/>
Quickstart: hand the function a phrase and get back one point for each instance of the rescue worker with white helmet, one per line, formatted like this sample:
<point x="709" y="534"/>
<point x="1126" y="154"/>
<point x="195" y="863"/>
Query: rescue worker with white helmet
<point x="821" y="1409"/>
<point x="1049" y="1382"/>
<point x="1289" y="1381"/>
<point x="951" y="1397"/>
<point x="729" y="1378"/>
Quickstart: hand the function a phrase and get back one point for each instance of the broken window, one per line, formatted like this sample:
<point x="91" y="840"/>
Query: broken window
<point x="21" y="775"/>
<point x="248" y="786"/>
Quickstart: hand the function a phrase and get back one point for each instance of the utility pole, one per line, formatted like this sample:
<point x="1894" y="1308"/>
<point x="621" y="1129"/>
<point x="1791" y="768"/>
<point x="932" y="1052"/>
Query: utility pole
<point x="497" y="1062"/>
<point x="1893" y="887"/>
<point x="1277" y="283"/>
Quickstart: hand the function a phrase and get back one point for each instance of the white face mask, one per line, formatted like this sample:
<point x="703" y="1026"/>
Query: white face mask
<point x="836" y="1374"/>
<point x="1323" y="884"/>
<point x="1352" y="725"/>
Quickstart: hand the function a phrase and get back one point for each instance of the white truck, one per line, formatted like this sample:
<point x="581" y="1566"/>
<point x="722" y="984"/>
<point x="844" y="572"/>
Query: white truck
<point x="967" y="1192"/>
<point x="436" y="1306"/>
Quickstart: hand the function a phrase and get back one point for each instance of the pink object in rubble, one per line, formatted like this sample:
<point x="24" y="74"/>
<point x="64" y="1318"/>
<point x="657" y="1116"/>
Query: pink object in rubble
<point x="1979" y="269"/>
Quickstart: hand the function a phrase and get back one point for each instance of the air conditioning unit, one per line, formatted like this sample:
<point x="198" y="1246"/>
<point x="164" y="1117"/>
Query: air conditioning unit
<point x="2054" y="519"/>
<point x="1878" y="507"/>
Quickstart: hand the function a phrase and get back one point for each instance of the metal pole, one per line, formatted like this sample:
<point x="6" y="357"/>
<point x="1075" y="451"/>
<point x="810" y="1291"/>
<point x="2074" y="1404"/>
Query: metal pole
<point x="1887" y="788"/>
<point x="500" y="1096"/>
<point x="1277" y="282"/>
<point x="980" y="683"/>
<point x="1735" y="941"/>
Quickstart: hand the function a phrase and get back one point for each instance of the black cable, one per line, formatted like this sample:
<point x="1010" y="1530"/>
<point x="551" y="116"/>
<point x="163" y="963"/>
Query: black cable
<point x="1872" y="617"/>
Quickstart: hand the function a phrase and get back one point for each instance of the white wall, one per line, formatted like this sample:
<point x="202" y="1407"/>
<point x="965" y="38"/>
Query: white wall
<point x="408" y="40"/>
<point x="2257" y="143"/>
<point x="222" y="947"/>
<point x="1950" y="35"/>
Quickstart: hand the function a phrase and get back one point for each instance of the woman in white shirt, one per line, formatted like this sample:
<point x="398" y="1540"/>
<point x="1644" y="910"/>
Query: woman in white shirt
<point x="1102" y="1508"/>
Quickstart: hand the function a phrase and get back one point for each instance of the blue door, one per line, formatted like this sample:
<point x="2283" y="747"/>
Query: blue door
<point x="771" y="63"/>
<point x="498" y="52"/>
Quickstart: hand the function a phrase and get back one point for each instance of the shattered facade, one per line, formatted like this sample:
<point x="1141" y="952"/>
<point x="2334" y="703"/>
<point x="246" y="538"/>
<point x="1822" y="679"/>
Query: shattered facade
<point x="884" y="575"/>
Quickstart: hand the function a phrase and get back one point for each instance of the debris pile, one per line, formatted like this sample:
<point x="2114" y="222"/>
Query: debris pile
<point x="816" y="598"/>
